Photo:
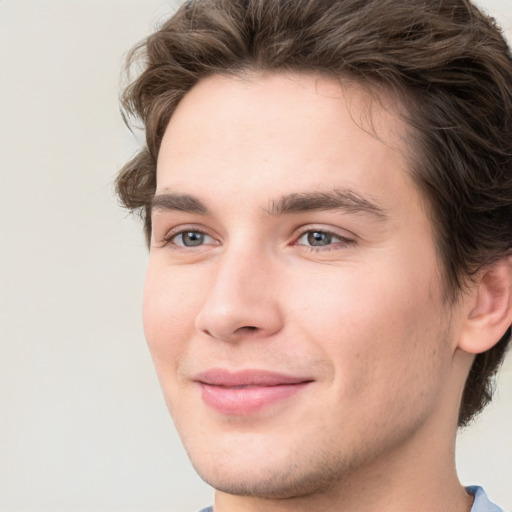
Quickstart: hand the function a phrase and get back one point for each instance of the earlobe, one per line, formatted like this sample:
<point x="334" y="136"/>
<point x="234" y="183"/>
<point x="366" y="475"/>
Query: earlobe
<point x="490" y="308"/>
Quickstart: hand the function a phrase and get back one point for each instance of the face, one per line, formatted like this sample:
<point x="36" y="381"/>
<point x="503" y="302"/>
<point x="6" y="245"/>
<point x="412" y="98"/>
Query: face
<point x="292" y="303"/>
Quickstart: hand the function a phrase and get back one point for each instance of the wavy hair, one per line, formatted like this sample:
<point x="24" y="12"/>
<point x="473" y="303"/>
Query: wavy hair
<point x="445" y="59"/>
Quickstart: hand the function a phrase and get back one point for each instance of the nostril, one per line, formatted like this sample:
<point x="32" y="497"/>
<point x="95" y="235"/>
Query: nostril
<point x="249" y="328"/>
<point x="240" y="329"/>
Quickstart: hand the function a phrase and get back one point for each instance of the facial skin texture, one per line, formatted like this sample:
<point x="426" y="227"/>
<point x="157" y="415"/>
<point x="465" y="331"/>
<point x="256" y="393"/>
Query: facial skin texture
<point x="361" y="318"/>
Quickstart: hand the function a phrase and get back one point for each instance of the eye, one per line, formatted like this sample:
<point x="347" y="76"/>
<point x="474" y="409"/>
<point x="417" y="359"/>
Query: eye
<point x="190" y="238"/>
<point x="315" y="238"/>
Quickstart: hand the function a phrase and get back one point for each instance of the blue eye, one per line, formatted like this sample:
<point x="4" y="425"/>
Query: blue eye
<point x="318" y="239"/>
<point x="190" y="238"/>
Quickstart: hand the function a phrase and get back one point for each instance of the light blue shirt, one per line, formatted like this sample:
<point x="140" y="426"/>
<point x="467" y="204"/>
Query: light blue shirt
<point x="481" y="503"/>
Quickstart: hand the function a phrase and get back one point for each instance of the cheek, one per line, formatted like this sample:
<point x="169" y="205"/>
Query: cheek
<point x="168" y="315"/>
<point x="379" y="328"/>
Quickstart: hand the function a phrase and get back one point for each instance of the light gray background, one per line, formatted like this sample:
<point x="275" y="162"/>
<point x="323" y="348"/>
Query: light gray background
<point x="83" y="426"/>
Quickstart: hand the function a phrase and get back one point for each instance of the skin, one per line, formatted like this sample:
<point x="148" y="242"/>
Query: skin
<point x="362" y="316"/>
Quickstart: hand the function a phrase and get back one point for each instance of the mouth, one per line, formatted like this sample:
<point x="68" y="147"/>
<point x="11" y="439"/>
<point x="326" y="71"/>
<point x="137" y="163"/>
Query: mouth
<point x="248" y="391"/>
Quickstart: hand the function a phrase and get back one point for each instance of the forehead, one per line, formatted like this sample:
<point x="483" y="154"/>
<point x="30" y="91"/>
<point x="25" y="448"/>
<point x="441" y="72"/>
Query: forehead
<point x="282" y="133"/>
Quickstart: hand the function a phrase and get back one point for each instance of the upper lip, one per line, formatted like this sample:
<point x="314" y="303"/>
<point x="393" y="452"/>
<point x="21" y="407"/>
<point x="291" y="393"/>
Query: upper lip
<point x="250" y="377"/>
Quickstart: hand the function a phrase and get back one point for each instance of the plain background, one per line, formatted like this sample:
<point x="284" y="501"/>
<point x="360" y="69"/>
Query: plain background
<point x="83" y="426"/>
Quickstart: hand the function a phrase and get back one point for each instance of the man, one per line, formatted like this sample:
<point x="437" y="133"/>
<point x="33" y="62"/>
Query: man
<point x="327" y="196"/>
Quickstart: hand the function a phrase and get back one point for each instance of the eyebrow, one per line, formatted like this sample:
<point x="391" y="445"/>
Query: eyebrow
<point x="178" y="202"/>
<point x="345" y="200"/>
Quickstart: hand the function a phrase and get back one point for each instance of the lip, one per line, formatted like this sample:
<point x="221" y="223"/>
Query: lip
<point x="247" y="391"/>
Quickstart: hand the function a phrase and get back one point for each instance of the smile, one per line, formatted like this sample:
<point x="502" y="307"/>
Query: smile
<point x="248" y="391"/>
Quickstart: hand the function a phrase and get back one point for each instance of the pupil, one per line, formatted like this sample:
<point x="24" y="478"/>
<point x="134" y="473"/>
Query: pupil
<point x="317" y="238"/>
<point x="192" y="238"/>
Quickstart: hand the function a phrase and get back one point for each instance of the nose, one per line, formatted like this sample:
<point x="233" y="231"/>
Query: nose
<point x="242" y="300"/>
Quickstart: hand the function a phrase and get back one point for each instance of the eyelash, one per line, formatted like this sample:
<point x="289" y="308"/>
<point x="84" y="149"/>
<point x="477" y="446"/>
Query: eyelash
<point x="344" y="241"/>
<point x="341" y="240"/>
<point x="168" y="238"/>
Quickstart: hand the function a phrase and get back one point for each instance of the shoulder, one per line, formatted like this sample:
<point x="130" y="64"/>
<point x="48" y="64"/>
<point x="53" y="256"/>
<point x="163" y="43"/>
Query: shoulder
<point x="481" y="503"/>
<point x="207" y="509"/>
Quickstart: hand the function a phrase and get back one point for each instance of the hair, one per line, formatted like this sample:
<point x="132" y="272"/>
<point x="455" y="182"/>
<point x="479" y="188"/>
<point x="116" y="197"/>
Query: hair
<point x="446" y="60"/>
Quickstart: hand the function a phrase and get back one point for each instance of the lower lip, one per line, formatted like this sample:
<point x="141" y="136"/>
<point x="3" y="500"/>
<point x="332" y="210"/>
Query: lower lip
<point x="240" y="401"/>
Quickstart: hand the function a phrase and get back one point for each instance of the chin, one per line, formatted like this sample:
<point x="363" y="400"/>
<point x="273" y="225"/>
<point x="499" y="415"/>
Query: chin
<point x="268" y="477"/>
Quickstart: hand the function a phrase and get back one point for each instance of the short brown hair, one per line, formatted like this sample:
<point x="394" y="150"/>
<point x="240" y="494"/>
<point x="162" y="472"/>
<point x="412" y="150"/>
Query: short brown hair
<point x="446" y="57"/>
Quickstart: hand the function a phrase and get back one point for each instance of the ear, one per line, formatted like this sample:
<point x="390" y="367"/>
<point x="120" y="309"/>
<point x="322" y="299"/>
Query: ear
<point x="489" y="308"/>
